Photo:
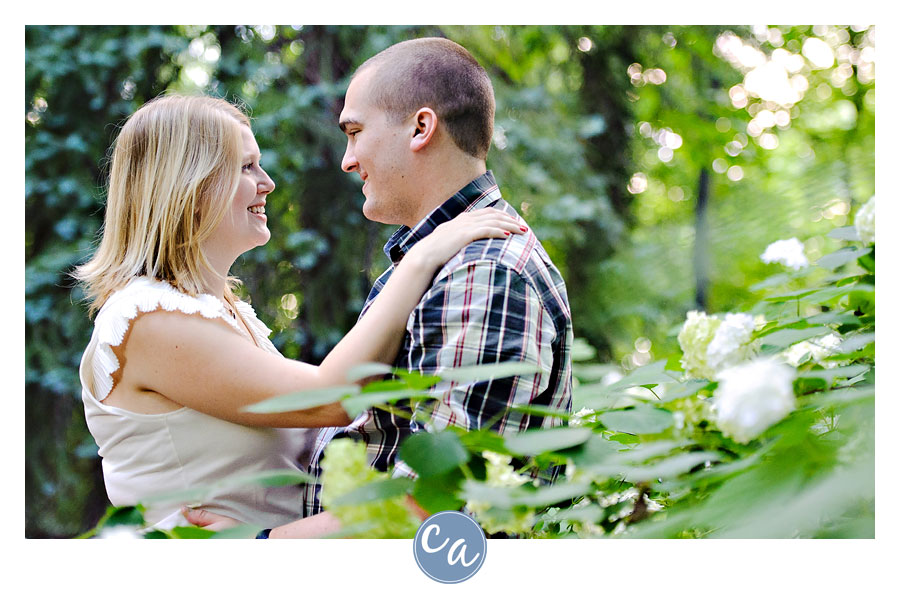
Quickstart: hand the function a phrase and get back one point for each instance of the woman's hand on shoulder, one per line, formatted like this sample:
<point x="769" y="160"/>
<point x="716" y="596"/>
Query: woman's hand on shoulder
<point x="450" y="237"/>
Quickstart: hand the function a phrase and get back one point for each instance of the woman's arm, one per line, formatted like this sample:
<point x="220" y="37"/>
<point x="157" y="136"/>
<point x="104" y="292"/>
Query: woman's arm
<point x="203" y="364"/>
<point x="380" y="331"/>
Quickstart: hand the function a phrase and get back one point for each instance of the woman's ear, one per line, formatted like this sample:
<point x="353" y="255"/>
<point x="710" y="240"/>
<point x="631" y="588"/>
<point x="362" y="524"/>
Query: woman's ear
<point x="425" y="123"/>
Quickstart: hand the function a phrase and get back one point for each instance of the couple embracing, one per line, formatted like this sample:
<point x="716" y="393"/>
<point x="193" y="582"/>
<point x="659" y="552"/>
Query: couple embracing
<point x="175" y="357"/>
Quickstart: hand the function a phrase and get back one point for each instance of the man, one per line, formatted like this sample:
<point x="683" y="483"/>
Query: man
<point x="419" y="119"/>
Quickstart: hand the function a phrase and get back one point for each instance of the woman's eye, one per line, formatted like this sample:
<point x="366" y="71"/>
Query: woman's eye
<point x="247" y="166"/>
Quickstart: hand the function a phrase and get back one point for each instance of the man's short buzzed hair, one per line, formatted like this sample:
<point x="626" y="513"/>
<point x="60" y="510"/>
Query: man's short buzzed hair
<point x="439" y="74"/>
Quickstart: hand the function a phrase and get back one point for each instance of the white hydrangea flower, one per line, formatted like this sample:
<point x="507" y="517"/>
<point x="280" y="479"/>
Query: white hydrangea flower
<point x="709" y="343"/>
<point x="818" y="349"/>
<point x="788" y="252"/>
<point x="865" y="222"/>
<point x="500" y="474"/>
<point x="732" y="342"/>
<point x="753" y="396"/>
<point x="694" y="338"/>
<point x="583" y="416"/>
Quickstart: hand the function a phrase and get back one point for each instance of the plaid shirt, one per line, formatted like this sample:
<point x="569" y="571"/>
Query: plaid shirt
<point x="496" y="300"/>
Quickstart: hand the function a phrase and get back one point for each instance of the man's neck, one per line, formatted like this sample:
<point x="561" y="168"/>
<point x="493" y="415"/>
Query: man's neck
<point x="443" y="187"/>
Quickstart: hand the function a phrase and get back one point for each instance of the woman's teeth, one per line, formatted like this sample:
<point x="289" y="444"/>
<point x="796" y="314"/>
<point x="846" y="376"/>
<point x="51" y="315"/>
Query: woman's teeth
<point x="257" y="209"/>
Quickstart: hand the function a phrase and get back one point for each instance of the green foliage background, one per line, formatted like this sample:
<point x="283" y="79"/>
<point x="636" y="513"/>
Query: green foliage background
<point x="575" y="121"/>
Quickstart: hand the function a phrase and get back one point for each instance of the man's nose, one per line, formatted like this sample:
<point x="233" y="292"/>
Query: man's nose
<point x="348" y="163"/>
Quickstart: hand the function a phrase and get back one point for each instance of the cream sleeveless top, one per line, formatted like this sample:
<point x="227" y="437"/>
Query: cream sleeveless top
<point x="150" y="454"/>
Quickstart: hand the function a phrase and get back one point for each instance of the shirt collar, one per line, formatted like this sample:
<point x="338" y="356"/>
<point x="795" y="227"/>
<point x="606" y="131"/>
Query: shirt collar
<point x="479" y="193"/>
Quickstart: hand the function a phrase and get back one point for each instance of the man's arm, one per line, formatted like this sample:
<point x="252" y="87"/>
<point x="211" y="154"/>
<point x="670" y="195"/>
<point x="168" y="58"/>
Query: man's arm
<point x="482" y="312"/>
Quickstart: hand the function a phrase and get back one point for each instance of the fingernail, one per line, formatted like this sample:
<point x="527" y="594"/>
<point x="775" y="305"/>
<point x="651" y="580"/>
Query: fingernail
<point x="506" y="232"/>
<point x="524" y="228"/>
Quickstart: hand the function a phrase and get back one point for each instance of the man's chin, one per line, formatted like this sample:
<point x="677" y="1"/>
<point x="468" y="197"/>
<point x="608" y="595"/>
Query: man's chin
<point x="371" y="212"/>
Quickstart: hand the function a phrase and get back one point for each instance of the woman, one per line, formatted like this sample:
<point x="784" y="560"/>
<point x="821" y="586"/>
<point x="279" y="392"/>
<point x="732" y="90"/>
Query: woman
<point x="174" y="357"/>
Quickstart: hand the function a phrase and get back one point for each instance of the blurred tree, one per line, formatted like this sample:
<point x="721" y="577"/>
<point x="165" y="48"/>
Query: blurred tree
<point x="80" y="83"/>
<point x="782" y="120"/>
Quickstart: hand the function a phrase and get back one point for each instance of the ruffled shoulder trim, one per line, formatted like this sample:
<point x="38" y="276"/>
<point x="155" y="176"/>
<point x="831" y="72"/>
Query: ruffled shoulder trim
<point x="143" y="295"/>
<point x="260" y="331"/>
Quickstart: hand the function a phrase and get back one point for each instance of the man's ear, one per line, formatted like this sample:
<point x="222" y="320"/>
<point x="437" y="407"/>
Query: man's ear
<point x="425" y="122"/>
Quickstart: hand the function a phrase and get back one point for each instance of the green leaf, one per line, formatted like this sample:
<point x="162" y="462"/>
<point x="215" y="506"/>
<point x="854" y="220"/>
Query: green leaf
<point x="833" y="317"/>
<point x="367" y="370"/>
<point x="361" y="402"/>
<point x="666" y="468"/>
<point x="626" y="439"/>
<point x="552" y="494"/>
<point x="131" y="515"/>
<point x="510" y="497"/>
<point x="563" y="414"/>
<point x="385" y="386"/>
<point x="587" y="513"/>
<point x="651" y="374"/>
<point x="844" y="233"/>
<point x="433" y="454"/>
<point x="196" y="533"/>
<point x="773" y="281"/>
<point x="417" y="380"/>
<point x="856" y="342"/>
<point x="375" y="491"/>
<point x="830" y="374"/>
<point x="593" y="371"/>
<point x="597" y="396"/>
<point x="831" y="293"/>
<point x="722" y="471"/>
<point x="647" y="451"/>
<point x="597" y="449"/>
<point x="868" y="261"/>
<point x="535" y="442"/>
<point x="240" y="532"/>
<point x="305" y="399"/>
<point x="791" y="295"/>
<point x="478" y="373"/>
<point x="804" y="509"/>
<point x="482" y="439"/>
<point x="842" y="396"/>
<point x="640" y="420"/>
<point x="679" y="390"/>
<point x="784" y="338"/>
<point x="842" y="256"/>
<point x="439" y="493"/>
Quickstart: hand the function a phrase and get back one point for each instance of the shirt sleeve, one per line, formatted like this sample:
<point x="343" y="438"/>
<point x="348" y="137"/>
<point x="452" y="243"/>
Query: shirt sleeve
<point x="481" y="312"/>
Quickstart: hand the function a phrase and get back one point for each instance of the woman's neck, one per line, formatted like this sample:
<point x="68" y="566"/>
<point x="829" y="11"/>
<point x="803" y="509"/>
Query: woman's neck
<point x="215" y="284"/>
<point x="215" y="278"/>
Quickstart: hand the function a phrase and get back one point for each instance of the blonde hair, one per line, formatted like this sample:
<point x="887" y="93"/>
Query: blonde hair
<point x="175" y="169"/>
